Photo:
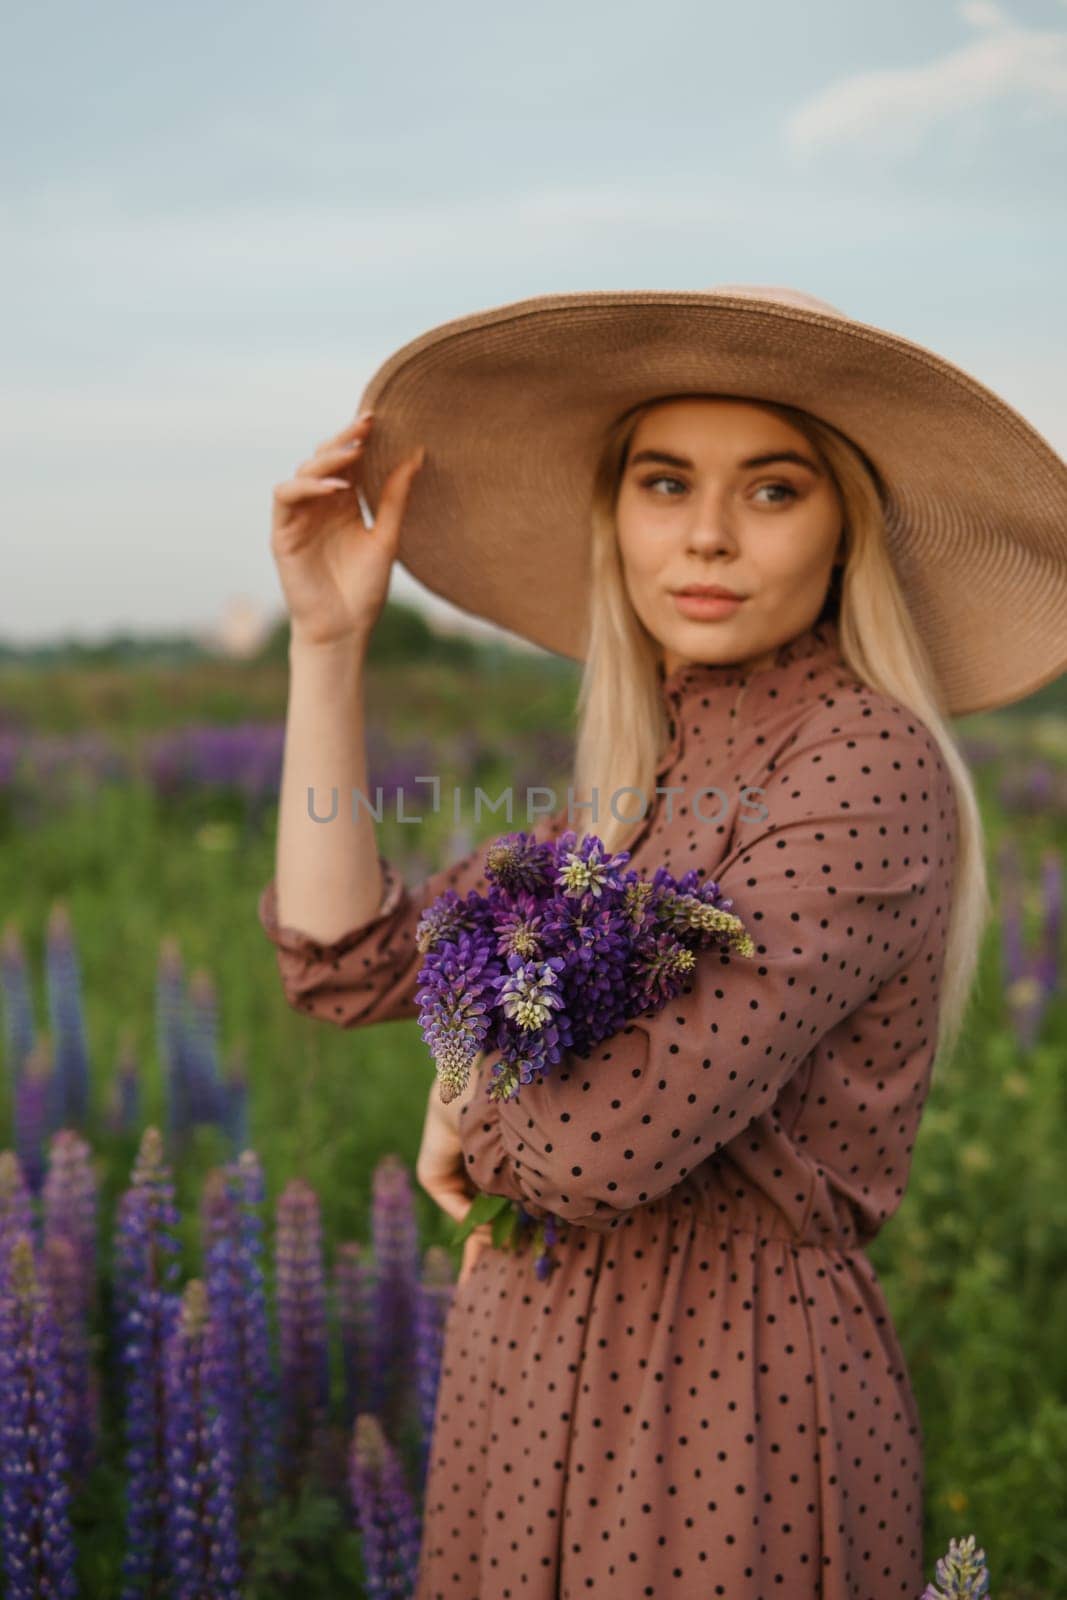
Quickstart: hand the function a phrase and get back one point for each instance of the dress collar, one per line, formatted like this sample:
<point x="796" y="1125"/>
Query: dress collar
<point x="687" y="690"/>
<point x="820" y="639"/>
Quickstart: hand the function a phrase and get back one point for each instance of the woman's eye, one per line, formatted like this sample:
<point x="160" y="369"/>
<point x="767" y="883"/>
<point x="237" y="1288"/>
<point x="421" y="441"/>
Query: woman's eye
<point x="661" y="477"/>
<point x="788" y="487"/>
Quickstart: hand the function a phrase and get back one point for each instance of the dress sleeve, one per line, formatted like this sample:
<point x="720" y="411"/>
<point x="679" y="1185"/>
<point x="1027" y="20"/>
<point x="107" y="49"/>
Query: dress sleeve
<point x="370" y="973"/>
<point x="838" y="889"/>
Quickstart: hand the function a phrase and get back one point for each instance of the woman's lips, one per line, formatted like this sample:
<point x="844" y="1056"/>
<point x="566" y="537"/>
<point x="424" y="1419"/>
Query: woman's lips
<point x="705" y="607"/>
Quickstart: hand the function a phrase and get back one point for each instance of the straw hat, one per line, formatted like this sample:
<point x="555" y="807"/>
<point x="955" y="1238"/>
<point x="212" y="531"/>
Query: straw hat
<point x="511" y="404"/>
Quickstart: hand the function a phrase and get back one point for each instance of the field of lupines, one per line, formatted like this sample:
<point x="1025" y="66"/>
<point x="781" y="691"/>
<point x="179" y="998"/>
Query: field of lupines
<point x="258" y="1335"/>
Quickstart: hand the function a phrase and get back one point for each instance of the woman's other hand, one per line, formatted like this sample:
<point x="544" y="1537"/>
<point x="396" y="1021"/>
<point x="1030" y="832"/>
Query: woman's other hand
<point x="440" y="1167"/>
<point x="334" y="570"/>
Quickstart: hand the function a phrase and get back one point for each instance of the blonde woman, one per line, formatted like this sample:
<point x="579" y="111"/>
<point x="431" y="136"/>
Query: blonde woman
<point x="776" y="538"/>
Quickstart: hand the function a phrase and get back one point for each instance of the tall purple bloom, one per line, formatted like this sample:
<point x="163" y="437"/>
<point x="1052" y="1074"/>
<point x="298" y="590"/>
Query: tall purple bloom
<point x="124" y="1104"/>
<point x="436" y="1291"/>
<point x="33" y="1113"/>
<point x="232" y="1232"/>
<point x="16" y="1212"/>
<point x="354" y="1292"/>
<point x="301" y="1299"/>
<point x="69" y="1200"/>
<point x="64" y="1284"/>
<point x="66" y="1012"/>
<point x="394" y="1231"/>
<point x="1031" y="969"/>
<point x="385" y="1511"/>
<point x="202" y="1519"/>
<point x="19" y="1029"/>
<point x="146" y="1250"/>
<point x="37" y="1541"/>
<point x="961" y="1573"/>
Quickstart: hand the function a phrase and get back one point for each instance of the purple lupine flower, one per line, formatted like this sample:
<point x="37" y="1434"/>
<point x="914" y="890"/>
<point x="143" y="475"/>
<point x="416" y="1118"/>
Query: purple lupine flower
<point x="436" y="1291"/>
<point x="16" y="1212"/>
<point x="1031" y="972"/>
<point x="1048" y="962"/>
<point x="201" y="1510"/>
<point x="37" y="1541"/>
<point x="146" y="1267"/>
<point x="124" y="1104"/>
<point x="395" y="1242"/>
<point x="170" y="1032"/>
<point x="62" y="1276"/>
<point x="260" y="1379"/>
<point x="69" y="1201"/>
<point x="385" y="1512"/>
<point x="233" y="1250"/>
<point x="202" y="1043"/>
<point x="455" y="1001"/>
<point x="70" y="1081"/>
<point x="961" y="1573"/>
<point x="546" y="1234"/>
<point x="561" y="952"/>
<point x="354" y="1293"/>
<point x="302" y="1329"/>
<point x="33" y="1107"/>
<point x="218" y="1237"/>
<point x="233" y="1111"/>
<point x="19" y="1029"/>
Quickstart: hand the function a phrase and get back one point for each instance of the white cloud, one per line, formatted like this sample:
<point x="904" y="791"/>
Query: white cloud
<point x="897" y="106"/>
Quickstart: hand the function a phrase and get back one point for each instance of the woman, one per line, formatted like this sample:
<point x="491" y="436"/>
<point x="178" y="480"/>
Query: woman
<point x="708" y="1396"/>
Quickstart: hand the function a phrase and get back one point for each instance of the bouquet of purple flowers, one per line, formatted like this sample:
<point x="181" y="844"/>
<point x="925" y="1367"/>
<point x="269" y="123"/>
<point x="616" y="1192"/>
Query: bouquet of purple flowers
<point x="565" y="948"/>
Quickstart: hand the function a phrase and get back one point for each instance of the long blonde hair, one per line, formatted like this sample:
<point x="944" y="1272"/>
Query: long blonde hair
<point x="621" y="723"/>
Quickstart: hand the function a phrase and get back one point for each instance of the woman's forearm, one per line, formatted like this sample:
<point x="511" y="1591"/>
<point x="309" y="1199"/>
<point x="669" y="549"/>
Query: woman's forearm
<point x="327" y="874"/>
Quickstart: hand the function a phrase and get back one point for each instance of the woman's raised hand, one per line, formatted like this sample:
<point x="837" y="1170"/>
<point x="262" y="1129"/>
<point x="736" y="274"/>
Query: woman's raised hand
<point x="334" y="570"/>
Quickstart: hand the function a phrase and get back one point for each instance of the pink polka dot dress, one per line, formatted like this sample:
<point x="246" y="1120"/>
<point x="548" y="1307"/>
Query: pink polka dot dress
<point x="708" y="1396"/>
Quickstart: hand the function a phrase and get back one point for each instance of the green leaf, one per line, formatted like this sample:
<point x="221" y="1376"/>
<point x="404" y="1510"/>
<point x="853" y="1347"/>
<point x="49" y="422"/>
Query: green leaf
<point x="505" y="1227"/>
<point x="484" y="1207"/>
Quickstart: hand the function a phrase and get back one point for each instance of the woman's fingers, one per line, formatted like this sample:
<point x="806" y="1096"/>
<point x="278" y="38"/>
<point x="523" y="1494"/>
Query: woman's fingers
<point x="358" y="428"/>
<point x="474" y="1247"/>
<point x="325" y="460"/>
<point x="297" y="489"/>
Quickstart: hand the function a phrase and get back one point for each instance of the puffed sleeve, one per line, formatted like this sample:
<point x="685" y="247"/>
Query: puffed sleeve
<point x="838" y="889"/>
<point x="370" y="973"/>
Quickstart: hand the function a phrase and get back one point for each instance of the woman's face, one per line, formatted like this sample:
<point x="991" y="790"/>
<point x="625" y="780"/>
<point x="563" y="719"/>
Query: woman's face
<point x="769" y="530"/>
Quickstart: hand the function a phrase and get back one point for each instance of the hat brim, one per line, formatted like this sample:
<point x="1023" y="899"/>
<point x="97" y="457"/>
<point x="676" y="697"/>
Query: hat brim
<point x="512" y="404"/>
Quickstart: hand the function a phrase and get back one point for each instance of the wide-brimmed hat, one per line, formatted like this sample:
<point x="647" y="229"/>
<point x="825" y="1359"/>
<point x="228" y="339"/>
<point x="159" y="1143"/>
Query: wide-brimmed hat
<point x="512" y="404"/>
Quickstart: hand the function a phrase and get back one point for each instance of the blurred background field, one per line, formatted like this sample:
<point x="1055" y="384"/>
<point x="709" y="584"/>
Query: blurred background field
<point x="138" y="789"/>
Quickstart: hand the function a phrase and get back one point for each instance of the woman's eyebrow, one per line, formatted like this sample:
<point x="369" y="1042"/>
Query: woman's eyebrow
<point x="752" y="461"/>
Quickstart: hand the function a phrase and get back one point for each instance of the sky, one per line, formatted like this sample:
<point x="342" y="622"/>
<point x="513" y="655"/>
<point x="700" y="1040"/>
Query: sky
<point x="219" y="220"/>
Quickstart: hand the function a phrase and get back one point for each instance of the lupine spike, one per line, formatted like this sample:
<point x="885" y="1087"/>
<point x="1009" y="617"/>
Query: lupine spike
<point x="435" y="1294"/>
<point x="261" y="1383"/>
<point x="38" y="1544"/>
<point x="20" y="1031"/>
<point x="33" y="1109"/>
<point x="124" y="1106"/>
<point x="394" y="1232"/>
<point x="16" y="1212"/>
<point x="961" y="1573"/>
<point x="302" y="1327"/>
<point x="202" y="1518"/>
<point x="170" y="1030"/>
<point x="146" y="1269"/>
<point x="384" y="1510"/>
<point x="354" y="1290"/>
<point x="70" y="1203"/>
<point x="66" y="1012"/>
<point x="63" y="1278"/>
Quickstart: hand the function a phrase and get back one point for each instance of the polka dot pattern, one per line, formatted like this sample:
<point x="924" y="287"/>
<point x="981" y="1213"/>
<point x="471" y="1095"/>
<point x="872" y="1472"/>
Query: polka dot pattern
<point x="708" y="1398"/>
